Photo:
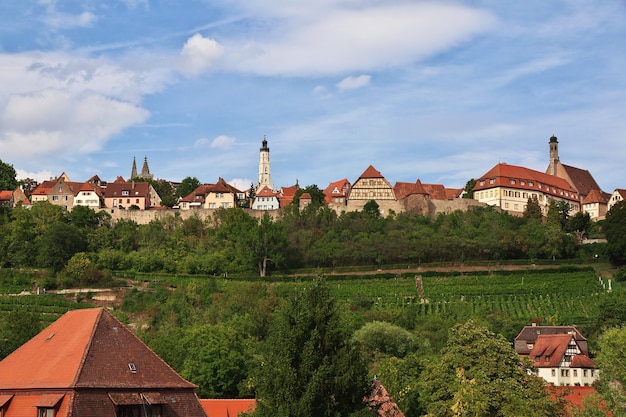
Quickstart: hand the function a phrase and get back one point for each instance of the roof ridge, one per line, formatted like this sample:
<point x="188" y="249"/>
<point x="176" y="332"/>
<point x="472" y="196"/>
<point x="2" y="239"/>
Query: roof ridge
<point x="79" y="371"/>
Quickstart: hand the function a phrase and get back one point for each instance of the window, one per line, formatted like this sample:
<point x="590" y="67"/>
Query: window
<point x="512" y="181"/>
<point x="45" y="412"/>
<point x="125" y="192"/>
<point x="55" y="198"/>
<point x="575" y="372"/>
<point x="492" y="181"/>
<point x="136" y="410"/>
<point x="554" y="372"/>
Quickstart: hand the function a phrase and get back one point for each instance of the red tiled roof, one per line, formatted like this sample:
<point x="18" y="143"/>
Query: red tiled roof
<point x="582" y="361"/>
<point x="134" y="188"/>
<point x="44" y="188"/>
<point x="595" y="196"/>
<point x="582" y="179"/>
<point x="227" y="408"/>
<point x="6" y="195"/>
<point x="289" y="191"/>
<point x="574" y="396"/>
<point x="502" y="174"/>
<point x="266" y="192"/>
<point x="404" y="189"/>
<point x="86" y="348"/>
<point x="436" y="191"/>
<point x="371" y="172"/>
<point x="452" y="193"/>
<point x="380" y="400"/>
<point x="549" y="350"/>
<point x="339" y="188"/>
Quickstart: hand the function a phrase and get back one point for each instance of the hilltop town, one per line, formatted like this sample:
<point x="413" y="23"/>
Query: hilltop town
<point x="507" y="187"/>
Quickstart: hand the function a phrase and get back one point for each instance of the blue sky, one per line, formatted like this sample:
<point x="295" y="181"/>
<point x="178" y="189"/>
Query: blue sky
<point x="436" y="90"/>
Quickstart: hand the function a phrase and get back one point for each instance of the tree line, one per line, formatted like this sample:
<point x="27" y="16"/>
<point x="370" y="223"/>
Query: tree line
<point x="231" y="241"/>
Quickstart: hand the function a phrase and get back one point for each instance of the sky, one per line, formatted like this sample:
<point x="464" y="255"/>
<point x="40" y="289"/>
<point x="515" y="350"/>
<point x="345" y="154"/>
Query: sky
<point x="439" y="91"/>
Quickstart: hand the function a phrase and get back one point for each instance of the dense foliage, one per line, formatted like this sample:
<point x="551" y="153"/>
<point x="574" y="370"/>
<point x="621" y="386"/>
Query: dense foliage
<point x="615" y="229"/>
<point x="232" y="241"/>
<point x="480" y="374"/>
<point x="309" y="366"/>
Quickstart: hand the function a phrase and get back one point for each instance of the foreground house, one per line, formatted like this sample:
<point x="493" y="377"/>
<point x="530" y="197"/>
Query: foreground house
<point x="560" y="354"/>
<point x="87" y="363"/>
<point x="559" y="361"/>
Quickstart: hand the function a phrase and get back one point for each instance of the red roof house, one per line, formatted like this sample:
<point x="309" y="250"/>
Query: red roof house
<point x="87" y="363"/>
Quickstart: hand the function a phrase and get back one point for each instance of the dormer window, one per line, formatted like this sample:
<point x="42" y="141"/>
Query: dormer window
<point x="125" y="192"/>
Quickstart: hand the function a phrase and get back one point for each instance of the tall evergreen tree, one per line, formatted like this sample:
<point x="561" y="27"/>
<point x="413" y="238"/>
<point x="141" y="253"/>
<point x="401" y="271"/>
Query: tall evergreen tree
<point x="615" y="231"/>
<point x="310" y="367"/>
<point x="533" y="209"/>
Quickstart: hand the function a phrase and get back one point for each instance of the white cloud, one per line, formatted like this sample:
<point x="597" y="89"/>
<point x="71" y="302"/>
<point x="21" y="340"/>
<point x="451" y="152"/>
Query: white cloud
<point x="242" y="184"/>
<point x="350" y="83"/>
<point x="223" y="142"/>
<point x="201" y="143"/>
<point x="55" y="121"/>
<point x="200" y="53"/>
<point x="39" y="176"/>
<point x="335" y="40"/>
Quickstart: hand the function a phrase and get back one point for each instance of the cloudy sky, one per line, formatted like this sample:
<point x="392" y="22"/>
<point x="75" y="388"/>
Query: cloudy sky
<point x="436" y="90"/>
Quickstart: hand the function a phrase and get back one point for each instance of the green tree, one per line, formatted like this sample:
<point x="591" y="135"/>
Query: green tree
<point x="533" y="209"/>
<point x="317" y="196"/>
<point x="58" y="244"/>
<point x="615" y="231"/>
<point x="309" y="366"/>
<point x="372" y="208"/>
<point x="187" y="186"/>
<point x="579" y="224"/>
<point x="16" y="328"/>
<point x="8" y="175"/>
<point x="610" y="359"/>
<point x="216" y="359"/>
<point x="469" y="188"/>
<point x="383" y="338"/>
<point x="268" y="244"/>
<point x="480" y="374"/>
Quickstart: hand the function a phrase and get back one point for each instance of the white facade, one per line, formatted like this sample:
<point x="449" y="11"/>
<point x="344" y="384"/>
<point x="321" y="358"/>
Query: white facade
<point x="616" y="197"/>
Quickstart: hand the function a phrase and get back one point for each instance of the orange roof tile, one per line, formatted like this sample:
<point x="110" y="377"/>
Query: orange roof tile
<point x="595" y="196"/>
<point x="404" y="189"/>
<point x="267" y="192"/>
<point x="227" y="407"/>
<point x="339" y="188"/>
<point x="502" y="175"/>
<point x="86" y="348"/>
<point x="371" y="172"/>
<point x="6" y="195"/>
<point x="436" y="191"/>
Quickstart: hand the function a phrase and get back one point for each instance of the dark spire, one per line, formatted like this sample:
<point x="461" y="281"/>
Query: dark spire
<point x="133" y="172"/>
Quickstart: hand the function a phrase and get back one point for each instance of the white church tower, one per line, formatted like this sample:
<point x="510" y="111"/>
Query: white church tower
<point x="265" y="180"/>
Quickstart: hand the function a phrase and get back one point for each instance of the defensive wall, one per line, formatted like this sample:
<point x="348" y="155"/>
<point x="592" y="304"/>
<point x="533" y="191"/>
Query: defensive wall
<point x="416" y="204"/>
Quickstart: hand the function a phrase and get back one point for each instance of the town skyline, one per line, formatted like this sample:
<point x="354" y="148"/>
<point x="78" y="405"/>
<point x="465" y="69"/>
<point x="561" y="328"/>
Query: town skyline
<point x="440" y="91"/>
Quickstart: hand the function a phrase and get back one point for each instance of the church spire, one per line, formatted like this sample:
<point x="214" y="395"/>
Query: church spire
<point x="145" y="171"/>
<point x="133" y="172"/>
